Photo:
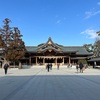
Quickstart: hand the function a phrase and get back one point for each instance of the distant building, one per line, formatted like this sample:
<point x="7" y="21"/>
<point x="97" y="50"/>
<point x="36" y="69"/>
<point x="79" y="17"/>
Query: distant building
<point x="95" y="61"/>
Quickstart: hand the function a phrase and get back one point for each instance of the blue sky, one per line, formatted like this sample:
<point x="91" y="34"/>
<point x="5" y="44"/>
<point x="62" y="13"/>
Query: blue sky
<point x="67" y="22"/>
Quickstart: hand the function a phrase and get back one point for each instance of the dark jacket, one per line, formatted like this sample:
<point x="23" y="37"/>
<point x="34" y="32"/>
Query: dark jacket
<point x="6" y="66"/>
<point x="81" y="66"/>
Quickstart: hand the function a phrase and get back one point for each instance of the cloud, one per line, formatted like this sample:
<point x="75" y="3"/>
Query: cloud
<point x="58" y="21"/>
<point x="92" y="12"/>
<point x="98" y="3"/>
<point x="90" y="33"/>
<point x="89" y="14"/>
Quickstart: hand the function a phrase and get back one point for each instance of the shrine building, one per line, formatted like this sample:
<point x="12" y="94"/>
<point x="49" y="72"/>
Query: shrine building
<point x="54" y="53"/>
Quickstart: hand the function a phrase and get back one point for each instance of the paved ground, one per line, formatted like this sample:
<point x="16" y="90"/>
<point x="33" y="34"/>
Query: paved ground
<point x="38" y="84"/>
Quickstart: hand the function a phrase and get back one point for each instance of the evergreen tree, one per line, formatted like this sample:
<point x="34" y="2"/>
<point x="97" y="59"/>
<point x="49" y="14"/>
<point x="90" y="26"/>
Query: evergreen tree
<point x="89" y="47"/>
<point x="16" y="47"/>
<point x="98" y="33"/>
<point x="11" y="42"/>
<point x="1" y="43"/>
<point x="5" y="32"/>
<point x="97" y="48"/>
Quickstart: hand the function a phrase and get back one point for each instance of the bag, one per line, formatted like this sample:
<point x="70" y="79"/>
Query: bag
<point x="83" y="68"/>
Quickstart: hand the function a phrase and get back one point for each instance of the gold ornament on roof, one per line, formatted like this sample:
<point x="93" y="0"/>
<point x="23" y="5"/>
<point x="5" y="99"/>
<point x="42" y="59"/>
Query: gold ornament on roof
<point x="50" y="50"/>
<point x="49" y="42"/>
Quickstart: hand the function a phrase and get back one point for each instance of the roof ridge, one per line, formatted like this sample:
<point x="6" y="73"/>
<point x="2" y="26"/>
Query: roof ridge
<point x="73" y="46"/>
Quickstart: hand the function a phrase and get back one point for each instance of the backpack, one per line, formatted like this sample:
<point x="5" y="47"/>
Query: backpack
<point x="5" y="66"/>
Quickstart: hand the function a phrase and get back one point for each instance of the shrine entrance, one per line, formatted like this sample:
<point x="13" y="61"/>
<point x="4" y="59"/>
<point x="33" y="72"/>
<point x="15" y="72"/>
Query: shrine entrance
<point x="49" y="60"/>
<point x="43" y="60"/>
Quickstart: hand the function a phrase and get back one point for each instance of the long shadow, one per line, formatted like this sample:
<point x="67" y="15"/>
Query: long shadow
<point x="10" y="86"/>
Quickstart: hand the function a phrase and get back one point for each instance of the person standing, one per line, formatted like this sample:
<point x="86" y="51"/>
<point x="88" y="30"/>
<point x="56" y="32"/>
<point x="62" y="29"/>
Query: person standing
<point x="77" y="67"/>
<point x="51" y="66"/>
<point x="58" y="66"/>
<point x="6" y="68"/>
<point x="81" y="67"/>
<point x="48" y="66"/>
<point x="94" y="65"/>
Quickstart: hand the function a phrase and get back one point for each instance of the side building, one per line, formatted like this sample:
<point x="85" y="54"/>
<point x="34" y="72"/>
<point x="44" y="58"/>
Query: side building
<point x="54" y="53"/>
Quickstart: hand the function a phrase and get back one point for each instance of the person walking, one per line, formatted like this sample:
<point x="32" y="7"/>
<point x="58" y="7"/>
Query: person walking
<point x="48" y="66"/>
<point x="77" y="67"/>
<point x="6" y="68"/>
<point x="68" y="65"/>
<point x="81" y="67"/>
<point x="58" y="66"/>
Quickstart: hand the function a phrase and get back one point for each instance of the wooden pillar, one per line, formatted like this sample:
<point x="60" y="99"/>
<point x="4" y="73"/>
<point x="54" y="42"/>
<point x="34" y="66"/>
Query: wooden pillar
<point x="63" y="60"/>
<point x="36" y="60"/>
<point x="69" y="59"/>
<point x="43" y="61"/>
<point x="29" y="60"/>
<point x="55" y="61"/>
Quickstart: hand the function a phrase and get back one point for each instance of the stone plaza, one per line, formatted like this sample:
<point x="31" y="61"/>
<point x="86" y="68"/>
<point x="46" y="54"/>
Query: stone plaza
<point x="36" y="83"/>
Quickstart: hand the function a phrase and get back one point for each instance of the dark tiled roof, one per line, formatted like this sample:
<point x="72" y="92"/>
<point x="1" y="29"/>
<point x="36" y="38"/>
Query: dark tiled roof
<point x="51" y="45"/>
<point x="77" y="49"/>
<point x="95" y="59"/>
<point x="31" y="48"/>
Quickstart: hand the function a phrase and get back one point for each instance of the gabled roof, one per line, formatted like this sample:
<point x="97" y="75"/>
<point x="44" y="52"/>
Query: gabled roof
<point x="50" y="45"/>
